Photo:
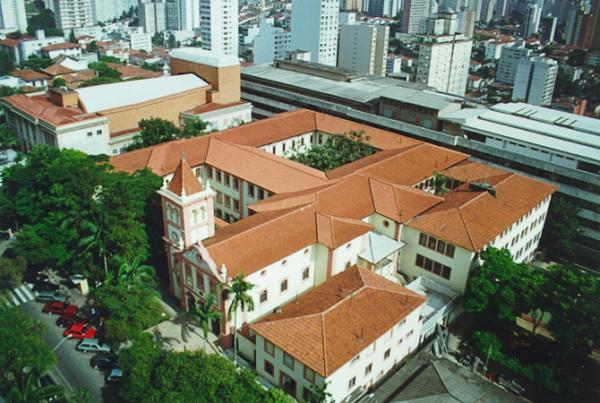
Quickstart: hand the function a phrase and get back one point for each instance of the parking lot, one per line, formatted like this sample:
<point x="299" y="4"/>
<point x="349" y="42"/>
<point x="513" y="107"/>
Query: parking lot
<point x="73" y="368"/>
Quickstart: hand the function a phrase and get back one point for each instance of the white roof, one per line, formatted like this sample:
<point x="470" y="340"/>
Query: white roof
<point x="202" y="56"/>
<point x="117" y="95"/>
<point x="378" y="247"/>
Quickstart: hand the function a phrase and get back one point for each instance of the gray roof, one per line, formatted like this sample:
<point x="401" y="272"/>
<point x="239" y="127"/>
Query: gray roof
<point x="378" y="247"/>
<point x="364" y="90"/>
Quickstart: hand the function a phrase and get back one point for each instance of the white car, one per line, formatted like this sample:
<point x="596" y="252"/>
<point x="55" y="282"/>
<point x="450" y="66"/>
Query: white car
<point x="93" y="345"/>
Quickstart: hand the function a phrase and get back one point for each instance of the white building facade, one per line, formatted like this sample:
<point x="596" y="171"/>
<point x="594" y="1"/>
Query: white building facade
<point x="315" y="29"/>
<point x="271" y="43"/>
<point x="140" y="41"/>
<point x="71" y="14"/>
<point x="534" y="81"/>
<point x="363" y="48"/>
<point x="12" y="16"/>
<point x="152" y="16"/>
<point x="219" y="26"/>
<point x="414" y="17"/>
<point x="509" y="60"/>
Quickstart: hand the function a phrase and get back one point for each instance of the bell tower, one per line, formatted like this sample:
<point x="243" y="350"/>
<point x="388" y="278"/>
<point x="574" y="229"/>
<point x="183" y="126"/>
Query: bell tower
<point x="188" y="216"/>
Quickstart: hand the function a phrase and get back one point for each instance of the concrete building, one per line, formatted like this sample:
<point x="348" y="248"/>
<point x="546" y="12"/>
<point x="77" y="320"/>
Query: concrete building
<point x="140" y="41"/>
<point x="352" y="5"/>
<point x="414" y="16"/>
<point x="534" y="81"/>
<point x="465" y="22"/>
<point x="493" y="48"/>
<point x="444" y="56"/>
<point x="393" y="65"/>
<point x="364" y="48"/>
<point x="70" y="14"/>
<point x="59" y="49"/>
<point x="271" y="43"/>
<point x="152" y="14"/>
<point x="531" y="24"/>
<point x="384" y="8"/>
<point x="12" y="16"/>
<point x="172" y="17"/>
<point x="547" y="29"/>
<point x="219" y="26"/>
<point x="33" y="46"/>
<point x="315" y="29"/>
<point x="189" y="14"/>
<point x="509" y="60"/>
<point x="108" y="10"/>
<point x="501" y="8"/>
<point x="487" y="10"/>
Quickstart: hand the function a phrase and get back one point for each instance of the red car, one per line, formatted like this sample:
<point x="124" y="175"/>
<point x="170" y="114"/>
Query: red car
<point x="60" y="308"/>
<point x="79" y="331"/>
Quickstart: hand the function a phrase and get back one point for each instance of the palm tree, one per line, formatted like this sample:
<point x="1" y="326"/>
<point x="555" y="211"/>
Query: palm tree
<point x="94" y="241"/>
<point x="133" y="273"/>
<point x="29" y="392"/>
<point x="205" y="313"/>
<point x="239" y="288"/>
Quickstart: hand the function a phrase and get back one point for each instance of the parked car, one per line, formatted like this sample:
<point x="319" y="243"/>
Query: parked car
<point x="45" y="296"/>
<point x="93" y="346"/>
<point x="104" y="361"/>
<point x="46" y="380"/>
<point x="60" y="308"/>
<point x="44" y="286"/>
<point x="68" y="320"/>
<point x="80" y="332"/>
<point x="114" y="375"/>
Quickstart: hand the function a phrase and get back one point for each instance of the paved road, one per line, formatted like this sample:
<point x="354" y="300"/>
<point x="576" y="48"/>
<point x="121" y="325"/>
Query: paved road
<point x="73" y="369"/>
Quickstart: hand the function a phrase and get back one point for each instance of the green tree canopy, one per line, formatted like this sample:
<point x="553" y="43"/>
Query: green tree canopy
<point x="561" y="228"/>
<point x="59" y="82"/>
<point x="104" y="70"/>
<point x="193" y="128"/>
<point x="156" y="130"/>
<point x="99" y="81"/>
<point x="152" y="374"/>
<point x="7" y="64"/>
<point x="36" y="63"/>
<point x="11" y="272"/>
<point x="337" y="150"/>
<point x="501" y="288"/>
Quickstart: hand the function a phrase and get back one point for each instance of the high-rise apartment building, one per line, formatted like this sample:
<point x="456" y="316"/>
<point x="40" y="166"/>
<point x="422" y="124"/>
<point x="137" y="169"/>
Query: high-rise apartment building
<point x="70" y="14"/>
<point x="12" y="16"/>
<point x="107" y="10"/>
<point x="315" y="29"/>
<point x="487" y="10"/>
<point x="465" y="22"/>
<point x="414" y="16"/>
<point x="219" y="26"/>
<point x="153" y="15"/>
<point x="188" y="14"/>
<point x="444" y="56"/>
<point x="352" y="5"/>
<point x="172" y="17"/>
<point x="363" y="48"/>
<point x="509" y="60"/>
<point x="592" y="37"/>
<point x="271" y="43"/>
<point x="384" y="8"/>
<point x="547" y="29"/>
<point x="534" y="81"/>
<point x="531" y="24"/>
<point x="501" y="8"/>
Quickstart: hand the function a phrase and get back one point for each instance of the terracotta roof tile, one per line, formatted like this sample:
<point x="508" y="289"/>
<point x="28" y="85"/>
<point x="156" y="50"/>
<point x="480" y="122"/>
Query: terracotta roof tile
<point x="29" y="75"/>
<point x="336" y="231"/>
<point x="333" y="322"/>
<point x="184" y="182"/>
<point x="471" y="171"/>
<point x="11" y="43"/>
<point x="129" y="71"/>
<point x="60" y="46"/>
<point x="57" y="69"/>
<point x="213" y="106"/>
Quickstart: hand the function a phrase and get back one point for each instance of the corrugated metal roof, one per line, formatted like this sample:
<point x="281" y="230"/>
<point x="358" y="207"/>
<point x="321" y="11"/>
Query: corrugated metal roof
<point x="117" y="95"/>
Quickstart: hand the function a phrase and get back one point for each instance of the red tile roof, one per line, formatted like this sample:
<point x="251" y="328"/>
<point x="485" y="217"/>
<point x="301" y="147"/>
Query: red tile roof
<point x="29" y="75"/>
<point x="184" y="182"/>
<point x="60" y="46"/>
<point x="11" y="43"/>
<point x="332" y="323"/>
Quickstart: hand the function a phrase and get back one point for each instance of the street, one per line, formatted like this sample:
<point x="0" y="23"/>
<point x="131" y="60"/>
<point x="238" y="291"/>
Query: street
<point x="73" y="368"/>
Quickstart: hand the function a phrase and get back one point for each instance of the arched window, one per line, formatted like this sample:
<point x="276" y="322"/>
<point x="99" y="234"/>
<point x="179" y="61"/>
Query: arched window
<point x="202" y="214"/>
<point x="195" y="216"/>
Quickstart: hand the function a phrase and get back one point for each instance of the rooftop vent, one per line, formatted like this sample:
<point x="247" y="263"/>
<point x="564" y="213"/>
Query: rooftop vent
<point x="478" y="187"/>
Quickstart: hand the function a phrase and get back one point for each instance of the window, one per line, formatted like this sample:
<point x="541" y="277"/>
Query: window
<point x="431" y="242"/>
<point x="287" y="384"/>
<point x="90" y="134"/>
<point x="288" y="360"/>
<point x="236" y="183"/>
<point x="306" y="394"/>
<point x="449" y="250"/>
<point x="368" y="369"/>
<point x="261" y="194"/>
<point x="236" y="205"/>
<point x="227" y="201"/>
<point x="284" y="285"/>
<point x="348" y="264"/>
<point x="219" y="176"/>
<point x="309" y="374"/>
<point x="209" y="172"/>
<point x="98" y="132"/>
<point x="269" y="348"/>
<point x="423" y="240"/>
<point x="227" y="178"/>
<point x="269" y="369"/>
<point x="250" y="190"/>
<point x="351" y="383"/>
<point x="305" y="273"/>
<point x="263" y="296"/>
<point x="419" y="262"/>
<point x="441" y="246"/>
<point x="386" y="224"/>
<point x="386" y="355"/>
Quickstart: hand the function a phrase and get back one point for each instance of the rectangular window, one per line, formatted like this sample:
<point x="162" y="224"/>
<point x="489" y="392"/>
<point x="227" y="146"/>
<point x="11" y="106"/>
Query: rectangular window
<point x="446" y="272"/>
<point x="227" y="201"/>
<point x="431" y="242"/>
<point x="269" y="369"/>
<point x="250" y="190"/>
<point x="309" y="374"/>
<point x="288" y="360"/>
<point x="450" y="250"/>
<point x="305" y="273"/>
<point x="219" y="197"/>
<point x="219" y="176"/>
<point x="386" y="355"/>
<point x="306" y="394"/>
<point x="368" y="369"/>
<point x="441" y="246"/>
<point x="236" y="183"/>
<point x="269" y="348"/>
<point x="263" y="296"/>
<point x="98" y="132"/>
<point x="284" y="285"/>
<point x="209" y="172"/>
<point x="420" y="261"/>
<point x="437" y="268"/>
<point x="351" y="383"/>
<point x="261" y="194"/>
<point x="236" y="205"/>
<point x="428" y="264"/>
<point x="423" y="240"/>
<point x="90" y="134"/>
<point x="227" y="180"/>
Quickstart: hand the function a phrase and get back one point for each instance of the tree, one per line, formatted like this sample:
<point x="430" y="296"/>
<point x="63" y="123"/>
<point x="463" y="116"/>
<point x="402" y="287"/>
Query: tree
<point x="562" y="226"/>
<point x="130" y="311"/>
<point x="439" y="184"/>
<point x="104" y="70"/>
<point x="7" y="64"/>
<point x="500" y="288"/>
<point x="6" y="91"/>
<point x="319" y="394"/>
<point x="158" y="39"/>
<point x="154" y="131"/>
<point x="110" y="59"/>
<point x="93" y="46"/>
<point x="8" y="137"/>
<point x="11" y="272"/>
<point x="193" y="128"/>
<point x="24" y="354"/>
<point x="72" y="37"/>
<point x="36" y="63"/>
<point x="241" y="301"/>
<point x="338" y="150"/>
<point x="30" y="392"/>
<point x="573" y="301"/>
<point x="205" y="313"/>
<point x="133" y="274"/>
<point x="150" y="67"/>
<point x="151" y="374"/>
<point x="577" y="57"/>
<point x="43" y="20"/>
<point x="99" y="81"/>
<point x="59" y="82"/>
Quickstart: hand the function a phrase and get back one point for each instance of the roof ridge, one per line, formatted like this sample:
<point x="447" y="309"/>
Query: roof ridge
<point x="484" y="192"/>
<point x="323" y="342"/>
<point x="466" y="228"/>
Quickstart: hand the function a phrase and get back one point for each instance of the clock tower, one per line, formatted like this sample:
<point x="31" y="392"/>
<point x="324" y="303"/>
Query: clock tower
<point x="188" y="216"/>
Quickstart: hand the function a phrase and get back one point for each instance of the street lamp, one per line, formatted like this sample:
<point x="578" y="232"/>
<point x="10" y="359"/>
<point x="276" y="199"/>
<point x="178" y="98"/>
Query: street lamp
<point x="61" y="342"/>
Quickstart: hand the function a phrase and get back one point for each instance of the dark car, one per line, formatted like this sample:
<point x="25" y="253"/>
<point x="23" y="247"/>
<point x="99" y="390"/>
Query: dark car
<point x="104" y="361"/>
<point x="44" y="286"/>
<point x="114" y="375"/>
<point x="68" y="320"/>
<point x="47" y="380"/>
<point x="60" y="308"/>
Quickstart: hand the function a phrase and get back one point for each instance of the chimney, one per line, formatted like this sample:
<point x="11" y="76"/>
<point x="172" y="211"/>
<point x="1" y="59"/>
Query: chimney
<point x="63" y="97"/>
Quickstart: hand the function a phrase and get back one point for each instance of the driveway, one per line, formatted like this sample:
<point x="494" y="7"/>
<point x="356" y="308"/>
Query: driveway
<point x="73" y="368"/>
